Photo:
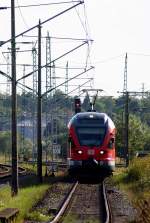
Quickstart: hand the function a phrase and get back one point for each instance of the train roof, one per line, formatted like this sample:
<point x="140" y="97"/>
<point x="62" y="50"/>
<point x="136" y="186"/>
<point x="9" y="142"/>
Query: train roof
<point x="95" y="117"/>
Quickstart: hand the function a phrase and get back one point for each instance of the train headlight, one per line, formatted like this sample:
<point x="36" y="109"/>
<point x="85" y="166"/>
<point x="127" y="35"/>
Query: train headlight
<point x="102" y="152"/>
<point x="80" y="152"/>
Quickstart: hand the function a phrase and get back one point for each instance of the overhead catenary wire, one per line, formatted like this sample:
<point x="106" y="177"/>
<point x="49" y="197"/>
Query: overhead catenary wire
<point x="60" y="38"/>
<point x="10" y="78"/>
<point x="109" y="59"/>
<point x="40" y="4"/>
<point x="45" y="21"/>
<point x="53" y="60"/>
<point x="69" y="67"/>
<point x="84" y="25"/>
<point x="139" y="54"/>
<point x="59" y="101"/>
<point x="24" y="21"/>
<point x="57" y="67"/>
<point x="68" y="80"/>
<point x="87" y="27"/>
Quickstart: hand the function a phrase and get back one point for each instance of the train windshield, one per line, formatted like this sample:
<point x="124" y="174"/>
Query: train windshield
<point x="91" y="136"/>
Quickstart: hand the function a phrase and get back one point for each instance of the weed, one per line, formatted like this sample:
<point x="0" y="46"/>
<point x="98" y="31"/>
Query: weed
<point x="37" y="216"/>
<point x="24" y="201"/>
<point x="136" y="182"/>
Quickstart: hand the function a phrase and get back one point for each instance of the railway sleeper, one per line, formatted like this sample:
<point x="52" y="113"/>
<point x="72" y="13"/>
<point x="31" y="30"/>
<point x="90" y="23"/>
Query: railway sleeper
<point x="8" y="215"/>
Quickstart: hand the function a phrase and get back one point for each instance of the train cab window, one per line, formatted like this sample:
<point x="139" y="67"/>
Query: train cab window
<point x="91" y="136"/>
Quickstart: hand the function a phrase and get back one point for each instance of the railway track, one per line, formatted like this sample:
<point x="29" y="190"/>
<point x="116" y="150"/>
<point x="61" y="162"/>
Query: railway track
<point x="5" y="171"/>
<point x="85" y="203"/>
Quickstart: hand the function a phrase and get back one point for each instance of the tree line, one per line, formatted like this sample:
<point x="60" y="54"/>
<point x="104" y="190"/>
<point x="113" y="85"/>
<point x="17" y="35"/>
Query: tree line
<point x="139" y="119"/>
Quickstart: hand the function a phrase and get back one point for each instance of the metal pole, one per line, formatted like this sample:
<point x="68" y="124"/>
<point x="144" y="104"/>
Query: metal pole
<point x="48" y="86"/>
<point x="34" y="129"/>
<point x="127" y="128"/>
<point x="39" y="110"/>
<point x="14" y="188"/>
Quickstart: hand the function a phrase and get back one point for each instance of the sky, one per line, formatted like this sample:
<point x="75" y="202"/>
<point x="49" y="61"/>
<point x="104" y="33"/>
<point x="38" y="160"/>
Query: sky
<point x="116" y="27"/>
<point x="121" y="26"/>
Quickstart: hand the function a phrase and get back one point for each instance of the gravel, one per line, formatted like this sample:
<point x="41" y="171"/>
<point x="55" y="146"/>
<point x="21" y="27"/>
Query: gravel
<point x="122" y="209"/>
<point x="53" y="199"/>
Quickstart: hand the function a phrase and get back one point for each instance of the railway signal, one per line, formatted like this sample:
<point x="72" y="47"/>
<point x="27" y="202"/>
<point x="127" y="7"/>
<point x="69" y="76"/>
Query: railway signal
<point x="77" y="103"/>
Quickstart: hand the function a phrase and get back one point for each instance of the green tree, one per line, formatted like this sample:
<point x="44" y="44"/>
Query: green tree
<point x="139" y="136"/>
<point x="5" y="142"/>
<point x="24" y="147"/>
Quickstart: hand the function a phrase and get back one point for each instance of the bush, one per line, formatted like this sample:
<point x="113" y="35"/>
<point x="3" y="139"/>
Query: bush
<point x="134" y="173"/>
<point x="138" y="174"/>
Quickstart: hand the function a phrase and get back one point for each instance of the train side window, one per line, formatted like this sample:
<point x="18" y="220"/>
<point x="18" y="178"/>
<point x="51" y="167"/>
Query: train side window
<point x="111" y="143"/>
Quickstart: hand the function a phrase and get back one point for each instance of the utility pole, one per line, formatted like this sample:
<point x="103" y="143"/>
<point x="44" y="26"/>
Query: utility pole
<point x="39" y="110"/>
<point x="14" y="188"/>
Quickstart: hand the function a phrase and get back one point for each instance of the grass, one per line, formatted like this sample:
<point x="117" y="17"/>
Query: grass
<point x="136" y="176"/>
<point x="28" y="166"/>
<point x="135" y="180"/>
<point x="26" y="198"/>
<point x="2" y="158"/>
<point x="37" y="216"/>
<point x="30" y="192"/>
<point x="33" y="169"/>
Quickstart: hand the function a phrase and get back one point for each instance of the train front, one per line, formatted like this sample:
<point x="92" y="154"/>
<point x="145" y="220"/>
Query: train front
<point x="91" y="142"/>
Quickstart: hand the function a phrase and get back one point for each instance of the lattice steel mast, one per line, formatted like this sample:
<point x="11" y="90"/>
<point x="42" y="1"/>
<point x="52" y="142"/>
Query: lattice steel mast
<point x="125" y="87"/>
<point x="23" y="115"/>
<point x="34" y="58"/>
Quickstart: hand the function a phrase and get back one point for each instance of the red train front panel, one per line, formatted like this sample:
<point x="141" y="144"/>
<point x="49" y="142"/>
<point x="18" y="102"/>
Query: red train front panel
<point x="91" y="141"/>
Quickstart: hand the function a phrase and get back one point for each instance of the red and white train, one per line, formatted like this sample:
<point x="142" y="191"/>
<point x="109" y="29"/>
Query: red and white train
<point x="91" y="142"/>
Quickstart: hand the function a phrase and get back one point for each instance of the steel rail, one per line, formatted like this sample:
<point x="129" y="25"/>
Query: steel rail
<point x="65" y="204"/>
<point x="68" y="199"/>
<point x="5" y="170"/>
<point x="107" y="206"/>
<point x="8" y="172"/>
